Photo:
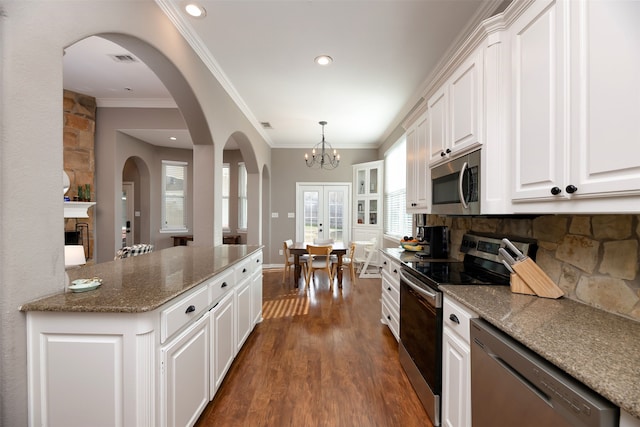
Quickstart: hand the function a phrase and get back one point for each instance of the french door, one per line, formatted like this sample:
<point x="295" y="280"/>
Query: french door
<point x="323" y="212"/>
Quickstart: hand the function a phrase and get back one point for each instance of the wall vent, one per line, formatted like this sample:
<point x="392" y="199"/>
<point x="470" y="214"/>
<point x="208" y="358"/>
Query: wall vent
<point x="123" y="58"/>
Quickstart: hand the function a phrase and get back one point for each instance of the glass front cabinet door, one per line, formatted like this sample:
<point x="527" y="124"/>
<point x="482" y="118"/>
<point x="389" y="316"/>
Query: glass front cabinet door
<point x="368" y="193"/>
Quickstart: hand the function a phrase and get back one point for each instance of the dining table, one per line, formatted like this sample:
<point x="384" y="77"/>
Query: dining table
<point x="299" y="249"/>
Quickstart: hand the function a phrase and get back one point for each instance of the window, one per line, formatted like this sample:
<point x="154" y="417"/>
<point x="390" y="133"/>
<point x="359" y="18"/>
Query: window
<point x="226" y="186"/>
<point x="396" y="220"/>
<point x="242" y="196"/>
<point x="174" y="190"/>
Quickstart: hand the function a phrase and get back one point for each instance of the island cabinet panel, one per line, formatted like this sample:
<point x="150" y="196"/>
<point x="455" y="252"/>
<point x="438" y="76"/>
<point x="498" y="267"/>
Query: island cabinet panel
<point x="141" y="365"/>
<point x="184" y="376"/>
<point x="70" y="357"/>
<point x="223" y="348"/>
<point x="256" y="288"/>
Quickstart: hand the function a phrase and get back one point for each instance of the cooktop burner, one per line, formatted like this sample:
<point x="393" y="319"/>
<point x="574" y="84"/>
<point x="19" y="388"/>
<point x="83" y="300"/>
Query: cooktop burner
<point x="456" y="273"/>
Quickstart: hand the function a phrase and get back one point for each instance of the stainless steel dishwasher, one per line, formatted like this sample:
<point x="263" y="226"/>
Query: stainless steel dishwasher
<point x="513" y="386"/>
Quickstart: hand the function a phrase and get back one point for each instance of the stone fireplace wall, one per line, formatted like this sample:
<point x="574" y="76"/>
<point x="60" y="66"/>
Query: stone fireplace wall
<point x="593" y="258"/>
<point x="79" y="161"/>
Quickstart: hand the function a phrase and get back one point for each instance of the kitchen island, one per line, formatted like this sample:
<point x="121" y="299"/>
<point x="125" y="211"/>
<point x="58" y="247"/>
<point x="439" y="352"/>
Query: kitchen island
<point x="600" y="349"/>
<point x="148" y="347"/>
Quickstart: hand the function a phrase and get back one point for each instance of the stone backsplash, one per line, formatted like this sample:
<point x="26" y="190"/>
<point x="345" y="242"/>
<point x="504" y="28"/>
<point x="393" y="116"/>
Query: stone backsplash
<point x="593" y="258"/>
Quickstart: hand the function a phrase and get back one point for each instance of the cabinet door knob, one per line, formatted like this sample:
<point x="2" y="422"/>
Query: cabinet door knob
<point x="556" y="190"/>
<point x="571" y="189"/>
<point x="388" y="317"/>
<point x="442" y="154"/>
<point x="190" y="309"/>
<point x="244" y="270"/>
<point x="454" y="318"/>
<point x="389" y="288"/>
<point x="448" y="150"/>
<point x="395" y="270"/>
<point x="224" y="285"/>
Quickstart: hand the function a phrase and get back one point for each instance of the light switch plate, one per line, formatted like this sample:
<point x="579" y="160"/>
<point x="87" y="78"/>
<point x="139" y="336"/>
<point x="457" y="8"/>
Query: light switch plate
<point x="292" y="215"/>
<point x="274" y="214"/>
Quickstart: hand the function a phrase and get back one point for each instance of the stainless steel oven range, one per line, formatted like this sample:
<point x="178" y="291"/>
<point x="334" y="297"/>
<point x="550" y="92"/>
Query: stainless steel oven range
<point x="420" y="347"/>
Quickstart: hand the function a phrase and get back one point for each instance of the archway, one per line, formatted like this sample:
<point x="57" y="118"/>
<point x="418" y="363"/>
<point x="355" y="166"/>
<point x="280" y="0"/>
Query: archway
<point x="136" y="172"/>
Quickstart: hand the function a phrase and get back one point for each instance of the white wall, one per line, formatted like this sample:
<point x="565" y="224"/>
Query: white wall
<point x="33" y="35"/>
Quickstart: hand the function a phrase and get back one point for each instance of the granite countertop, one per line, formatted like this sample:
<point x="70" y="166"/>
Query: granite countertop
<point x="406" y="256"/>
<point x="598" y="348"/>
<point x="145" y="282"/>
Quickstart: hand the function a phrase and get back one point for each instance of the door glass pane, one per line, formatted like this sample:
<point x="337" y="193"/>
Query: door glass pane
<point x="373" y="181"/>
<point x="361" y="182"/>
<point x="361" y="212"/>
<point x="336" y="215"/>
<point x="310" y="218"/>
<point x="373" y="212"/>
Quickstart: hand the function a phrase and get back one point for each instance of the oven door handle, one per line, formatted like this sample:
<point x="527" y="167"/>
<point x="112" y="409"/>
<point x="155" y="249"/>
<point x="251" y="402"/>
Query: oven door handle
<point x="460" y="189"/>
<point x="432" y="296"/>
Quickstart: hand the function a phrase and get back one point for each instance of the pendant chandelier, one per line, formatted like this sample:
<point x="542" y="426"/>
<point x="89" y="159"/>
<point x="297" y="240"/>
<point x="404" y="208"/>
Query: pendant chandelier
<point x="323" y="156"/>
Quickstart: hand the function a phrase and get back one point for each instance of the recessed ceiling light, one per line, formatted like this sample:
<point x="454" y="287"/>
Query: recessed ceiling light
<point x="173" y="138"/>
<point x="323" y="60"/>
<point x="195" y="10"/>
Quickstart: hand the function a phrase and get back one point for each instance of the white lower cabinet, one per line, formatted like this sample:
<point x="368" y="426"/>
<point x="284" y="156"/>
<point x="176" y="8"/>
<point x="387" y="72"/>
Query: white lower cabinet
<point x="244" y="320"/>
<point x="256" y="289"/>
<point x="223" y="348"/>
<point x="156" y="368"/>
<point x="184" y="387"/>
<point x="456" y="365"/>
<point x="390" y="300"/>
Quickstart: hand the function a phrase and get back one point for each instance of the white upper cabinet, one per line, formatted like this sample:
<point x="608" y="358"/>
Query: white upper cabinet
<point x="455" y="111"/>
<point x="538" y="120"/>
<point x="418" y="176"/>
<point x="605" y="87"/>
<point x="576" y="97"/>
<point x="437" y="108"/>
<point x="465" y="103"/>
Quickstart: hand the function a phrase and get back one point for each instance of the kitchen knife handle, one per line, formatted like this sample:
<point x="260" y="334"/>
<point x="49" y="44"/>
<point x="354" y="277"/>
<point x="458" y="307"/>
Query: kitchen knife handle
<point x="519" y="255"/>
<point x="507" y="256"/>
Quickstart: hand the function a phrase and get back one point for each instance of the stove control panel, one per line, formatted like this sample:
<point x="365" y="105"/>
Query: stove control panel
<point x="486" y="246"/>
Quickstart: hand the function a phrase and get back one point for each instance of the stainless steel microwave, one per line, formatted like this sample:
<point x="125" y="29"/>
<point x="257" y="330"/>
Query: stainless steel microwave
<point x="455" y="186"/>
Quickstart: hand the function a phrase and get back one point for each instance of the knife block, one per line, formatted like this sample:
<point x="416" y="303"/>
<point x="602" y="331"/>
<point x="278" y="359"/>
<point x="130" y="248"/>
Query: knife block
<point x="536" y="279"/>
<point x="519" y="286"/>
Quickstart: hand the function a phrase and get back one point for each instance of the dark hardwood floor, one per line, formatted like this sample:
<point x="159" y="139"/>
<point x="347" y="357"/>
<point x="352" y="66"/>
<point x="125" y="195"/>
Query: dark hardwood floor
<point x="319" y="358"/>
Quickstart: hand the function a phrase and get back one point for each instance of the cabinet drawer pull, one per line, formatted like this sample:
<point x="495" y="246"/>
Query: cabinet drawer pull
<point x="224" y="285"/>
<point x="454" y="318"/>
<point x="190" y="309"/>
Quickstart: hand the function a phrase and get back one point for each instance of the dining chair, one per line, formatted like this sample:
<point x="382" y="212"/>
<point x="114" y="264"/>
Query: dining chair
<point x="319" y="259"/>
<point x="347" y="261"/>
<point x="289" y="261"/>
<point x="323" y="242"/>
